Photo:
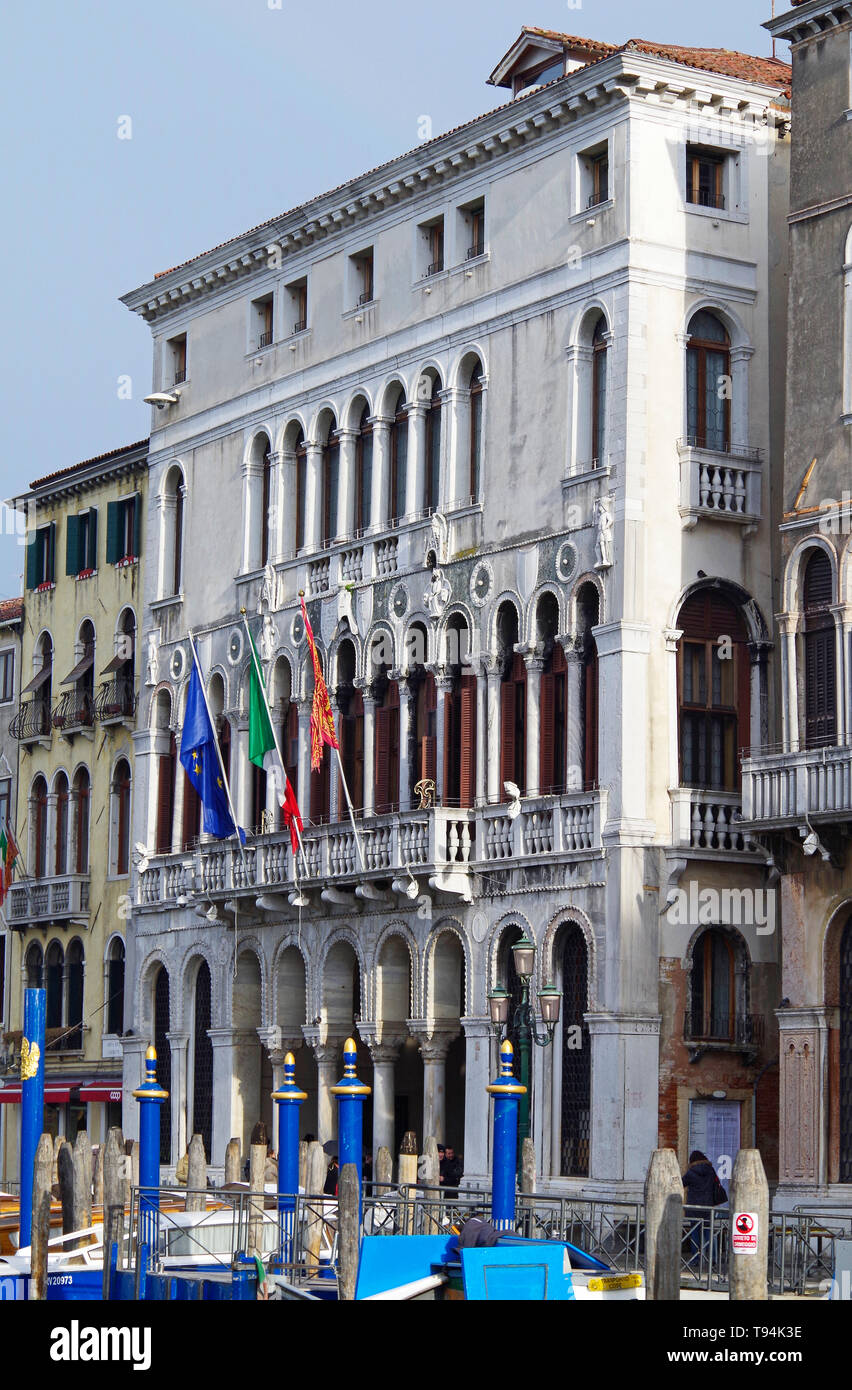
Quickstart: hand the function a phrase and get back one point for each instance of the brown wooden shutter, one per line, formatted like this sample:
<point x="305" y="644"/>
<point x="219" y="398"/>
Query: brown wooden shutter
<point x="191" y="813"/>
<point x="449" y="790"/>
<point x="547" y="733"/>
<point x="382" y="768"/>
<point x="508" y="703"/>
<point x="165" y="801"/>
<point x="467" y="774"/>
<point x="319" y="791"/>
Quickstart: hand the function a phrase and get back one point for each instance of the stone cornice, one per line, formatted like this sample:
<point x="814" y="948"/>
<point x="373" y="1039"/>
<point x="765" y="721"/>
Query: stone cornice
<point x="443" y="162"/>
<point x="98" y="474"/>
<point x="808" y="21"/>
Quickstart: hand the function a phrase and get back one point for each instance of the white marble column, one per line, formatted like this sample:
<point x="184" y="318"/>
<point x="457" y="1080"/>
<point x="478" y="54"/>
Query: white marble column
<point x="167" y="509"/>
<point x="493" y="672"/>
<point x="380" y="504"/>
<point x="132" y="1075"/>
<point x="346" y="483"/>
<point x="252" y="474"/>
<point x="625" y="1094"/>
<point x="672" y="636"/>
<point x="285" y="504"/>
<point x="178" y="1044"/>
<point x="444" y="685"/>
<point x="433" y="1049"/>
<point x="313" y="497"/>
<point x="575" y="752"/>
<point x="335" y="794"/>
<point x="415" y="488"/>
<point x="740" y="357"/>
<point x="224" y="1119"/>
<point x="369" y="752"/>
<point x="329" y="1059"/>
<point x="455" y="462"/>
<point x="787" y="625"/>
<point x="535" y="666"/>
<point x="477" y="1120"/>
<point x="384" y="1045"/>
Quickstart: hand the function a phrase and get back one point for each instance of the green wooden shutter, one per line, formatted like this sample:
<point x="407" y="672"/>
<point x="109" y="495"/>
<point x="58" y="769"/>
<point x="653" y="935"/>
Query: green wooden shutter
<point x="113" y="537"/>
<point x="72" y="545"/>
<point x="32" y="560"/>
<point x="137" y="522"/>
<point x="93" y="536"/>
<point x="51" y="554"/>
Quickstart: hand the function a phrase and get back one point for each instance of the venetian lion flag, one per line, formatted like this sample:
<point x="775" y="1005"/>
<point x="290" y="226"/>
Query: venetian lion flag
<point x="8" y="855"/>
<point x="263" y="752"/>
<point x="322" y="719"/>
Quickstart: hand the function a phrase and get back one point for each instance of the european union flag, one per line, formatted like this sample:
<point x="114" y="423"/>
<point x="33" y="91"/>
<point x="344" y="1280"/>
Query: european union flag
<point x="199" y="757"/>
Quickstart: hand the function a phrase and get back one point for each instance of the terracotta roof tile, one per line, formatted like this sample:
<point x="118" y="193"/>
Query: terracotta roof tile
<point x="11" y="609"/>
<point x="86" y="463"/>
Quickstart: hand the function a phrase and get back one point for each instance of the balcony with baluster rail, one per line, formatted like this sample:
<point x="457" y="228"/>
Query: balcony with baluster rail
<point x="443" y="846"/>
<point x="719" y="484"/>
<point x="41" y="901"/>
<point x="708" y="824"/>
<point x="782" y="789"/>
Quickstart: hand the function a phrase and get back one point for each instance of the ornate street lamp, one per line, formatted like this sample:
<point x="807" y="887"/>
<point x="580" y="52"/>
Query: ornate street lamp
<point x="525" y="1024"/>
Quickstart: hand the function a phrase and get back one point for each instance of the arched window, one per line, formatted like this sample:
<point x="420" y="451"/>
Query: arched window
<point x="35" y="966"/>
<point x="41" y="688"/>
<point x="708" y="375"/>
<point x="74" y="969"/>
<point x="350" y="725"/>
<point x="552" y="722"/>
<point x="81" y="819"/>
<point x="301" y="488"/>
<point x="513" y="704"/>
<point x="459" y="784"/>
<point x="173" y="538"/>
<point x="162" y="1024"/>
<point x="713" y="986"/>
<point x="117" y="697"/>
<point x="258" y="796"/>
<point x="397" y="492"/>
<point x="82" y="788"/>
<point x="714" y="672"/>
<point x="425" y="729"/>
<point x="599" y="360"/>
<point x="202" y="1060"/>
<point x="330" y="484"/>
<point x="588" y="617"/>
<point x="265" y="506"/>
<point x="166" y="776"/>
<point x="115" y="988"/>
<point x="364" y="473"/>
<point x="475" y="475"/>
<point x="121" y="816"/>
<point x="432" y="499"/>
<point x="820" y="653"/>
<point x="386" y="781"/>
<point x="61" y="842"/>
<point x="38" y="821"/>
<point x="55" y="984"/>
<point x="576" y="1054"/>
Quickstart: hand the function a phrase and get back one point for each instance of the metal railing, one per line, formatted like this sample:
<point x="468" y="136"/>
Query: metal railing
<point x="743" y="1029"/>
<point x="265" y="339"/>
<point x="31" y="721"/>
<point x="300" y="326"/>
<point x="116" y="699"/>
<point x="74" y="710"/>
<point x="477" y="249"/>
<point x="702" y="197"/>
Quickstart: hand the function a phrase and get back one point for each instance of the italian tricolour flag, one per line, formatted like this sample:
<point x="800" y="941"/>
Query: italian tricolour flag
<point x="263" y="752"/>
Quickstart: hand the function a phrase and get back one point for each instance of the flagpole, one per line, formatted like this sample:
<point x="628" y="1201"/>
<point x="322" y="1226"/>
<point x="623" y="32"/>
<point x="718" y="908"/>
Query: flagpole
<point x="224" y="779"/>
<point x="256" y="664"/>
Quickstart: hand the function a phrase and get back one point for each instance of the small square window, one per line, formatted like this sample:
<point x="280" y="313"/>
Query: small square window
<point x="297" y="292"/>
<point x="176" y="360"/>
<point x="705" y="177"/>
<point x="262" y="326"/>
<point x="594" y="177"/>
<point x="362" y="269"/>
<point x="7" y="691"/>
<point x="430" y="248"/>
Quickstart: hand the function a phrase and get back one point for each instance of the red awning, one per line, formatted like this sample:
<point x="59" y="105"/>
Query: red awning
<point x="101" y="1092"/>
<point x="53" y="1095"/>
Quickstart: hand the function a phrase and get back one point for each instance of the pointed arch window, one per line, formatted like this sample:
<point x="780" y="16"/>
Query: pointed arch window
<point x="115" y="988"/>
<point x="265" y="505"/>
<point x="330" y="485"/>
<point x="121" y="797"/>
<point x="714" y="680"/>
<point x="713" y="987"/>
<point x="301" y="489"/>
<point x="820" y="653"/>
<point x="553" y="722"/>
<point x="708" y="375"/>
<point x="386" y="780"/>
<point x="167" y="773"/>
<point x="61" y="845"/>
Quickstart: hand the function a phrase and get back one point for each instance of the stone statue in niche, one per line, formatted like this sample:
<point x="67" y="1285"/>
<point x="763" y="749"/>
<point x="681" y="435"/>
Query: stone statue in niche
<point x="438" y="536"/>
<point x="266" y="597"/>
<point x="268" y="638"/>
<point x="437" y="596"/>
<point x="152" y="670"/>
<point x="603" y="533"/>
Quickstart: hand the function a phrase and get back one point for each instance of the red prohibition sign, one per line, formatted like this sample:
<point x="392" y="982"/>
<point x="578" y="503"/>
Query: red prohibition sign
<point x="744" y="1224"/>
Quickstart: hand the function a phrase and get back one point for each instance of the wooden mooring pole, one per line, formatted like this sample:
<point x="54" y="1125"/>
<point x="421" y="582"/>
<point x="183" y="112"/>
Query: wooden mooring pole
<point x="40" y="1231"/>
<point x="348" y="1218"/>
<point x="663" y="1226"/>
<point x="749" y="1203"/>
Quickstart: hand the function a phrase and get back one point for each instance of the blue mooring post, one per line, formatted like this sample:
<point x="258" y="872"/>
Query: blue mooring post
<point x="150" y="1096"/>
<point x="506" y="1092"/>
<point x="350" y="1094"/>
<point x="289" y="1100"/>
<point x="32" y="1101"/>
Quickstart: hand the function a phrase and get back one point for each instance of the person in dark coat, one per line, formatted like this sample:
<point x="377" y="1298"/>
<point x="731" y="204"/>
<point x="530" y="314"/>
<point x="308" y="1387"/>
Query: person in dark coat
<point x="332" y="1177"/>
<point x="702" y="1189"/>
<point x="451" y="1168"/>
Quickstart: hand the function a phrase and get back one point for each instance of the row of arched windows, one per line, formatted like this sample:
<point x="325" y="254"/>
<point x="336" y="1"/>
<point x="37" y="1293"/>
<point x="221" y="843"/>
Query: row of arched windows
<point x="59" y="823"/>
<point x="60" y="971"/>
<point x="77" y="703"/>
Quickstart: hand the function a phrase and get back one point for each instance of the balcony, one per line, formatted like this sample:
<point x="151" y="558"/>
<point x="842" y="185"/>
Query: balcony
<point x="115" y="702"/>
<point x="477" y="249"/>
<point x="719" y="484"/>
<point x="439" y="848"/>
<point x="787" y="789"/>
<point x="264" y="340"/>
<point x="39" y="901"/>
<point x="709" y="825"/>
<point x="31" y="724"/>
<point x="74" y="713"/>
<point x="742" y="1033"/>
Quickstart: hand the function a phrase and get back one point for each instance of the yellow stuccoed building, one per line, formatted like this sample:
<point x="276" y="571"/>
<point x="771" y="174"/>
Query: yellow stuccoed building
<point x="70" y="904"/>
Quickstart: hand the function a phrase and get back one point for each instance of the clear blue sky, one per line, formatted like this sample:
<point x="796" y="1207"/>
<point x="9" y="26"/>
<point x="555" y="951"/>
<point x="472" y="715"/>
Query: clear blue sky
<point x="239" y="111"/>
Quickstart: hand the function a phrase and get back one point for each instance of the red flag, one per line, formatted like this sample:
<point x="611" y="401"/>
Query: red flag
<point x="322" y="719"/>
